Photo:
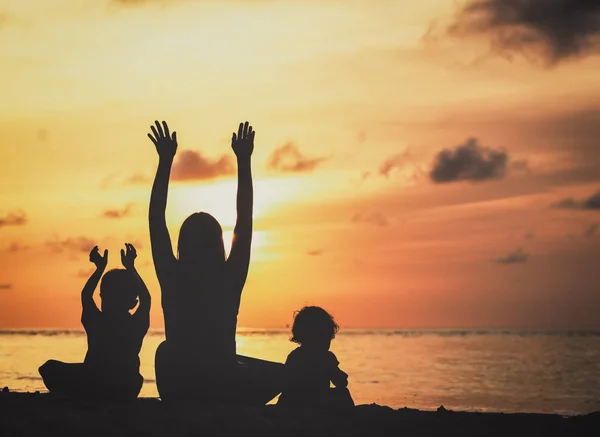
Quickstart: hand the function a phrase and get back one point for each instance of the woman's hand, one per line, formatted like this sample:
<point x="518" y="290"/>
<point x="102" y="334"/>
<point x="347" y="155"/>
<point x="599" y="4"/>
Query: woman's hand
<point x="128" y="258"/>
<point x="99" y="260"/>
<point x="166" y="145"/>
<point x="243" y="143"/>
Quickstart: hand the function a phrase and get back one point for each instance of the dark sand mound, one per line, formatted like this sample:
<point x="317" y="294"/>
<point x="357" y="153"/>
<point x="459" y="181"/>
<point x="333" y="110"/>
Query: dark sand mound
<point x="28" y="414"/>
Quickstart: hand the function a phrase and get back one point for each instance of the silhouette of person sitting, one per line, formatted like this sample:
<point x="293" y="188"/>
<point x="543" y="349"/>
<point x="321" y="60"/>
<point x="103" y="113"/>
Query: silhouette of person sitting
<point x="110" y="370"/>
<point x="311" y="367"/>
<point x="201" y="291"/>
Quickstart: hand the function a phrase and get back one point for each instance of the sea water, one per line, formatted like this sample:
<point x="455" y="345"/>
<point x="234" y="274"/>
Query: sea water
<point x="469" y="370"/>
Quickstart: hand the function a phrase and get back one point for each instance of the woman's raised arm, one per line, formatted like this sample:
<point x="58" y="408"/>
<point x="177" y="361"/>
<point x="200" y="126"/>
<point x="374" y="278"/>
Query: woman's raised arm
<point x="239" y="257"/>
<point x="162" y="249"/>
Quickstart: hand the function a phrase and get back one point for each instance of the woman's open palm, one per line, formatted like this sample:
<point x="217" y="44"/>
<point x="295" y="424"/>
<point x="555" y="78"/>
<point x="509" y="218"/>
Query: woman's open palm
<point x="166" y="145"/>
<point x="243" y="143"/>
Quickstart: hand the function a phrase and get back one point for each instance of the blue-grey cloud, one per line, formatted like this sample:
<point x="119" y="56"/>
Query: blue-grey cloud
<point x="552" y="30"/>
<point x="469" y="162"/>
<point x="515" y="257"/>
<point x="590" y="203"/>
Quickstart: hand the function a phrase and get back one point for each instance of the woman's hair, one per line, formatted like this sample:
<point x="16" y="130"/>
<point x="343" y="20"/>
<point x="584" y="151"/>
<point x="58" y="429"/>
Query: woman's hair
<point x="313" y="323"/>
<point x="118" y="289"/>
<point x="201" y="240"/>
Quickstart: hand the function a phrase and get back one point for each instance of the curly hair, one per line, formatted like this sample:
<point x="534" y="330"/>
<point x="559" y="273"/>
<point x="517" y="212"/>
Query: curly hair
<point x="313" y="323"/>
<point x="118" y="286"/>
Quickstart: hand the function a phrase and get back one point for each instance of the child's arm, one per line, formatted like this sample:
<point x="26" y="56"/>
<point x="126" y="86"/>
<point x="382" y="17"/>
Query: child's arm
<point x="239" y="256"/>
<point x="87" y="294"/>
<point x="162" y="249"/>
<point x="339" y="378"/>
<point x="143" y="311"/>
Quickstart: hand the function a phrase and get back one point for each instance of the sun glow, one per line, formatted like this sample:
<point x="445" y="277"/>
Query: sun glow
<point x="219" y="199"/>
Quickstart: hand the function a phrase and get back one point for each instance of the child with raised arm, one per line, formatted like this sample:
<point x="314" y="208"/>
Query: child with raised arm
<point x="311" y="367"/>
<point x="110" y="370"/>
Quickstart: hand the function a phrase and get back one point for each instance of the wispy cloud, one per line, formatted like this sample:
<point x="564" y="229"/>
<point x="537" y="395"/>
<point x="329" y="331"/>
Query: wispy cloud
<point x="15" y="246"/>
<point x="373" y="218"/>
<point x="71" y="244"/>
<point x="391" y="163"/>
<point x="288" y="158"/>
<point x="553" y="31"/>
<point x="5" y="286"/>
<point x="118" y="213"/>
<point x="469" y="162"/>
<point x="315" y="252"/>
<point x="515" y="257"/>
<point x="591" y="230"/>
<point x="192" y="165"/>
<point x="17" y="218"/>
<point x="138" y="178"/>
<point x="85" y="273"/>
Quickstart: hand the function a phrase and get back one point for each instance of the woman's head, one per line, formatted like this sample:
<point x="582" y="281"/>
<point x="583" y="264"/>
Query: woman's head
<point x="313" y="326"/>
<point x="118" y="291"/>
<point x="201" y="240"/>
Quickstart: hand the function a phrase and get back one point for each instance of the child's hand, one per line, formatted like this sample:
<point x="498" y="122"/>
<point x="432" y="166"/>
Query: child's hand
<point x="127" y="258"/>
<point x="243" y="144"/>
<point x="166" y="146"/>
<point x="98" y="259"/>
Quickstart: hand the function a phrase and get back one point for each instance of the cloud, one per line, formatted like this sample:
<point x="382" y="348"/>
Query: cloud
<point x="42" y="135"/>
<point x="15" y="246"/>
<point x="5" y="286"/>
<point x="591" y="203"/>
<point x="83" y="273"/>
<point x="591" y="230"/>
<point x="118" y="213"/>
<point x="4" y="19"/>
<point x="515" y="257"/>
<point x="288" y="158"/>
<point x="191" y="165"/>
<point x="138" y="178"/>
<point x="391" y="163"/>
<point x="551" y="30"/>
<point x="17" y="218"/>
<point x="374" y="218"/>
<point x="469" y="162"/>
<point x="73" y="244"/>
<point x="315" y="252"/>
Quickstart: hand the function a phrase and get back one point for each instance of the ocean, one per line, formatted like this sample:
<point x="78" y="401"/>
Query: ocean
<point x="469" y="370"/>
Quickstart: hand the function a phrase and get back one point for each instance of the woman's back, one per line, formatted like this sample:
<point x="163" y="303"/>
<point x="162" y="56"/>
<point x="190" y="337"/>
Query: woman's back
<point x="200" y="313"/>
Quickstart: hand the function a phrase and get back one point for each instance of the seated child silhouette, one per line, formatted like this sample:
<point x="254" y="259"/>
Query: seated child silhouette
<point x="110" y="370"/>
<point x="311" y="367"/>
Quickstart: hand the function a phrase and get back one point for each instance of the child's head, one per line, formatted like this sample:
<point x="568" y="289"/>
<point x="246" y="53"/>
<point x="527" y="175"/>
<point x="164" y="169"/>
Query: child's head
<point x="314" y="327"/>
<point x="118" y="291"/>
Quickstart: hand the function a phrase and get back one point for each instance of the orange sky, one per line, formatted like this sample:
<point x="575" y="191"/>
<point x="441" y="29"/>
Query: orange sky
<point x="357" y="208"/>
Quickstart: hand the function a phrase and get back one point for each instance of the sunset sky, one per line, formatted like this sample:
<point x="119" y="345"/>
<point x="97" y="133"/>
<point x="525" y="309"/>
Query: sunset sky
<point x="416" y="164"/>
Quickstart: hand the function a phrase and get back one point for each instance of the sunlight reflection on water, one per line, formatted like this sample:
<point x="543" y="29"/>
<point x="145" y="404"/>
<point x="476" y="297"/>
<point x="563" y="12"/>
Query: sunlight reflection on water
<point x="505" y="371"/>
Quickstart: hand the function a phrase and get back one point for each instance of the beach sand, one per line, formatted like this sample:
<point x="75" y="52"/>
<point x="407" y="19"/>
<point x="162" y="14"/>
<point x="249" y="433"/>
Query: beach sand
<point x="35" y="414"/>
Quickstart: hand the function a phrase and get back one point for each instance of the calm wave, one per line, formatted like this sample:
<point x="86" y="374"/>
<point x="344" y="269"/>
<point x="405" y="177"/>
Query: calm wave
<point x="469" y="370"/>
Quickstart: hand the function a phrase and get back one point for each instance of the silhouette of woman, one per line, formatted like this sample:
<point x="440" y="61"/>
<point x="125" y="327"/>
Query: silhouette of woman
<point x="201" y="292"/>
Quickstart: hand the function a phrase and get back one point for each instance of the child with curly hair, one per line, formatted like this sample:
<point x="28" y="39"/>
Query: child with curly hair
<point x="311" y="367"/>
